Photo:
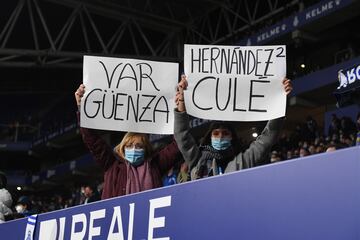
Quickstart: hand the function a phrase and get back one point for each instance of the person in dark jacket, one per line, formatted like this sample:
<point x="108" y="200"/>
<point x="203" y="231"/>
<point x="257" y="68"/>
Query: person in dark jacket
<point x="24" y="206"/>
<point x="91" y="194"/>
<point x="133" y="166"/>
<point x="219" y="151"/>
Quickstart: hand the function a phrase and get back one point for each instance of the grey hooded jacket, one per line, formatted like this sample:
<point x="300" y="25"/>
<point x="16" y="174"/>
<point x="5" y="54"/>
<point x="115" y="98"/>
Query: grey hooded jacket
<point x="247" y="159"/>
<point x="5" y="204"/>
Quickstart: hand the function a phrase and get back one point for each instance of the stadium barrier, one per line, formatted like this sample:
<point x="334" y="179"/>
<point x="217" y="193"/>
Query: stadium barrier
<point x="315" y="197"/>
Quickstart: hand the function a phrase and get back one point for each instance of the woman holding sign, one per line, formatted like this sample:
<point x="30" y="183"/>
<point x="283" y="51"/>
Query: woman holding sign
<point x="219" y="150"/>
<point x="132" y="166"/>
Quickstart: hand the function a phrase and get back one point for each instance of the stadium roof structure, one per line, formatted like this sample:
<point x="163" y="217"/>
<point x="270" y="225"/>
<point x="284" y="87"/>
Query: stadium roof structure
<point x="57" y="33"/>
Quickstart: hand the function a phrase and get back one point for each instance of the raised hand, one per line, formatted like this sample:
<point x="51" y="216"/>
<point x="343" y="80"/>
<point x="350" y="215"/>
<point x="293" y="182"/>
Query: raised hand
<point x="179" y="97"/>
<point x="287" y="85"/>
<point x="79" y="94"/>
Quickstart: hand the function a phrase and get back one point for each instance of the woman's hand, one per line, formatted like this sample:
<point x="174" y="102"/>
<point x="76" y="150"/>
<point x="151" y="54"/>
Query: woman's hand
<point x="79" y="94"/>
<point x="179" y="98"/>
<point x="287" y="85"/>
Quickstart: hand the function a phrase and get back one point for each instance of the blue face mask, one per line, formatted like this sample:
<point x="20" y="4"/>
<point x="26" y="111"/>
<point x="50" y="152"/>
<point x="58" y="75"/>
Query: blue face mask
<point x="220" y="143"/>
<point x="135" y="156"/>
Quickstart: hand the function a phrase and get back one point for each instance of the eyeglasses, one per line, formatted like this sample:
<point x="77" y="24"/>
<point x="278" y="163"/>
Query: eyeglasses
<point x="134" y="145"/>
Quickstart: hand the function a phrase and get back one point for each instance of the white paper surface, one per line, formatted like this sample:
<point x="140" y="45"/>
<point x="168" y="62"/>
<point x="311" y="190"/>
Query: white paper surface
<point x="128" y="95"/>
<point x="235" y="83"/>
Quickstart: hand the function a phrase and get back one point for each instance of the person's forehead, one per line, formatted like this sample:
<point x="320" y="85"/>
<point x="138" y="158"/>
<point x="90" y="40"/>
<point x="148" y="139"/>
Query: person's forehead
<point x="135" y="139"/>
<point x="221" y="129"/>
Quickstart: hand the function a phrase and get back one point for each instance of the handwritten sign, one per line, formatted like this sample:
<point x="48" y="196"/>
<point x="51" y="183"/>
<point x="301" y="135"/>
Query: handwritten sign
<point x="235" y="83"/>
<point x="128" y="95"/>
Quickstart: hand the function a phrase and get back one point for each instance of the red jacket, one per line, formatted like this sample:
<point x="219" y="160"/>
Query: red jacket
<point x="120" y="176"/>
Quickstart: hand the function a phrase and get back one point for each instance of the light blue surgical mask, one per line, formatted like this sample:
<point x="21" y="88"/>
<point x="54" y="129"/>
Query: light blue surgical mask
<point x="135" y="156"/>
<point x="220" y="143"/>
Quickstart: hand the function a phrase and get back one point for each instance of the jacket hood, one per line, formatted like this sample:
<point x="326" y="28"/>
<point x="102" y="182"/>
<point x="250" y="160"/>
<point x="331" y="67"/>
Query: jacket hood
<point x="5" y="197"/>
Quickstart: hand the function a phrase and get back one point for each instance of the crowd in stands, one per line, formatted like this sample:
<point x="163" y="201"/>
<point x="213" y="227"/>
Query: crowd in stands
<point x="307" y="139"/>
<point x="29" y="204"/>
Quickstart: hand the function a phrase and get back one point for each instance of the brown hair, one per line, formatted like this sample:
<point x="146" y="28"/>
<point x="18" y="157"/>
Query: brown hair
<point x="128" y="138"/>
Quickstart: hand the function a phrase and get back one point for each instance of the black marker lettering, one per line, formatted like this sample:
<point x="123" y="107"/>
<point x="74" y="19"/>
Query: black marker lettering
<point x="248" y="72"/>
<point x="217" y="95"/>
<point x="193" y="60"/>
<point x="203" y="60"/>
<point x="257" y="62"/>
<point x="103" y="106"/>
<point x="131" y="76"/>
<point x="234" y="61"/>
<point x="97" y="102"/>
<point x="130" y="99"/>
<point x="109" y="80"/>
<point x="146" y="75"/>
<point x="161" y="110"/>
<point x="117" y="104"/>
<point x="268" y="62"/>
<point x="194" y="91"/>
<point x="234" y="106"/>
<point x="255" y="96"/>
<point x="213" y="58"/>
<point x="146" y="107"/>
<point x="242" y="62"/>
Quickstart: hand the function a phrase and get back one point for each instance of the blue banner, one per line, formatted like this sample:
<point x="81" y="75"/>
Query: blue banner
<point x="321" y="78"/>
<point x="295" y="21"/>
<point x="349" y="79"/>
<point x="314" y="197"/>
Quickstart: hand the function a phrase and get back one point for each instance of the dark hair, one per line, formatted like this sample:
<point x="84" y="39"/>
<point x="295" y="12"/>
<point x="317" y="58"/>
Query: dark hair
<point x="3" y="180"/>
<point x="25" y="200"/>
<point x="91" y="186"/>
<point x="235" y="142"/>
<point x="337" y="146"/>
<point x="306" y="150"/>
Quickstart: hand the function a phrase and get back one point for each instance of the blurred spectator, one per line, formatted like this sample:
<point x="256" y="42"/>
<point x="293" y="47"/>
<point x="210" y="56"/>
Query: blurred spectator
<point x="289" y="154"/>
<point x="170" y="178"/>
<point x="296" y="153"/>
<point x="333" y="147"/>
<point x="334" y="126"/>
<point x="347" y="126"/>
<point x="183" y="175"/>
<point x="312" y="149"/>
<point x="346" y="140"/>
<point x="91" y="194"/>
<point x="24" y="206"/>
<point x="311" y="129"/>
<point x="275" y="157"/>
<point x="304" y="152"/>
<point x="320" y="149"/>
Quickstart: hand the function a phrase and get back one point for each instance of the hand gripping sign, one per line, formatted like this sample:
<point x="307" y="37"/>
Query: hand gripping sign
<point x="235" y="83"/>
<point x="128" y="95"/>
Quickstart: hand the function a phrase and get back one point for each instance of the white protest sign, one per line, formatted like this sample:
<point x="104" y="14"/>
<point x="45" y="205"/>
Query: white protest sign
<point x="235" y="83"/>
<point x="128" y="95"/>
